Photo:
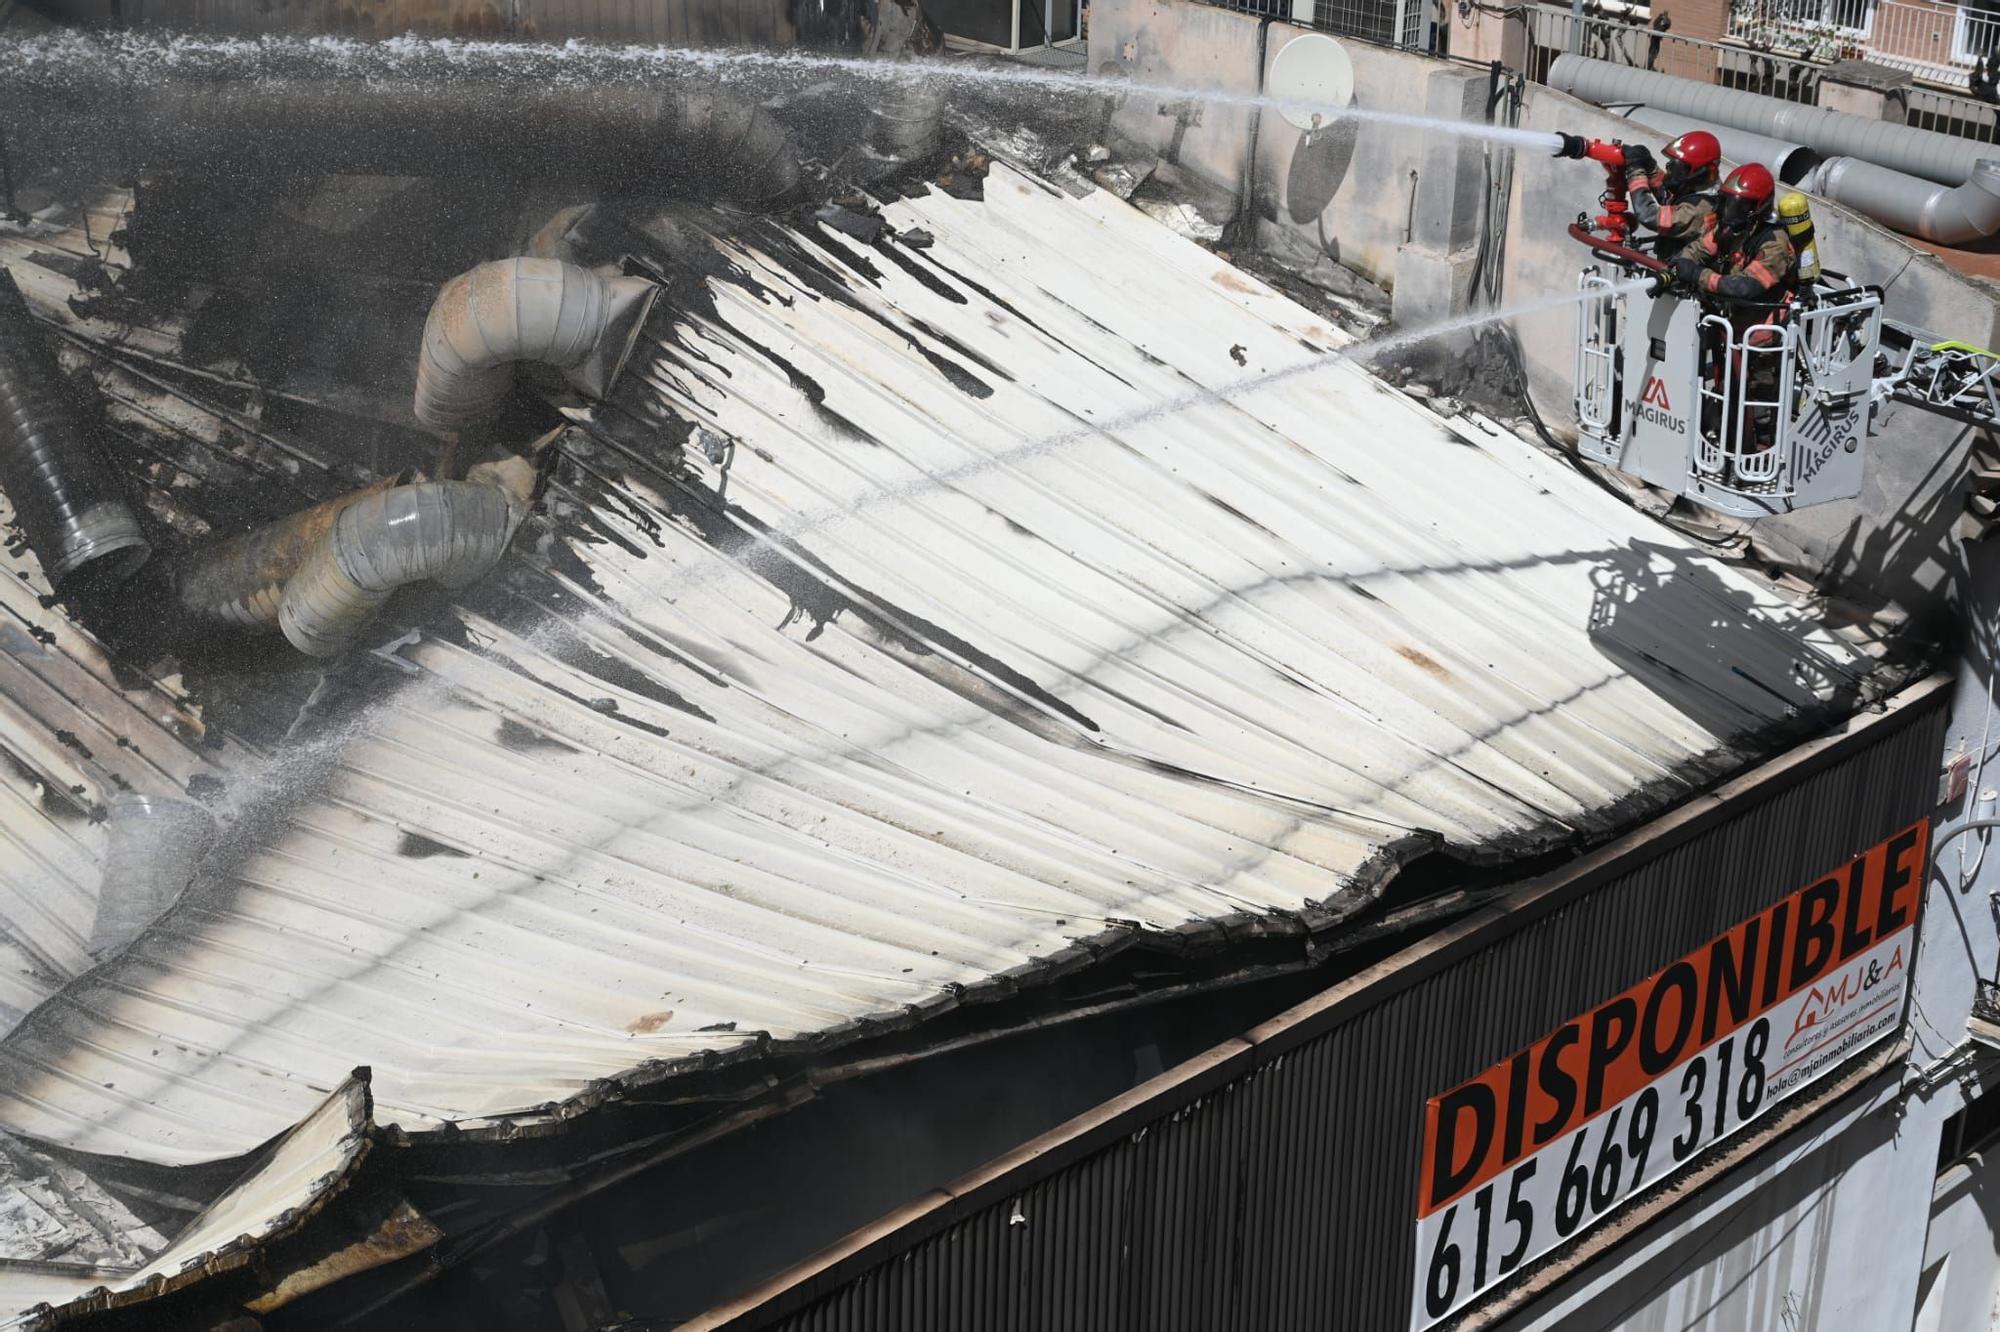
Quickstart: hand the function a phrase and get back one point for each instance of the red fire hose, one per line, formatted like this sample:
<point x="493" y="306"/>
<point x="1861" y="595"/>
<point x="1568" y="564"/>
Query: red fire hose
<point x="1607" y="247"/>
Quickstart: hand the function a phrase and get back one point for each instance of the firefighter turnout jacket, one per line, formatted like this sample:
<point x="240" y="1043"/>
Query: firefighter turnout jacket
<point x="1677" y="221"/>
<point x="1761" y="266"/>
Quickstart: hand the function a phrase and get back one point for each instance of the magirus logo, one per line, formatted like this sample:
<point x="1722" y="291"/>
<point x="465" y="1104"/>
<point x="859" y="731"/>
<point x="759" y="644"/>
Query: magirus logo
<point x="1655" y="409"/>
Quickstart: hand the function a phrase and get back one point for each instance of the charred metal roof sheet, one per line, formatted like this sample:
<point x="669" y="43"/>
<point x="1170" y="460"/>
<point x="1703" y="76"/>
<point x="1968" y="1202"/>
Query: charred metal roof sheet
<point x="1005" y="667"/>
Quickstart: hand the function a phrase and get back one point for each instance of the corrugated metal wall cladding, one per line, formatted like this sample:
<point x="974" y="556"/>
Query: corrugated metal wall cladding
<point x="1285" y="1199"/>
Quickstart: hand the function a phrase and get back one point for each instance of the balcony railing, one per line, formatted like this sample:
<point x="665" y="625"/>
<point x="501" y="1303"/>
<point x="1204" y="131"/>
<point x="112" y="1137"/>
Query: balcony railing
<point x="1788" y="72"/>
<point x="1955" y="46"/>
<point x="1554" y="29"/>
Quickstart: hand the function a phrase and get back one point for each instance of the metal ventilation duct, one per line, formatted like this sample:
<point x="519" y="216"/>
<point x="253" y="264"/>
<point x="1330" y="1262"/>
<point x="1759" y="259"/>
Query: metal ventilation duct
<point x="153" y="845"/>
<point x="1938" y="157"/>
<point x="490" y="318"/>
<point x="1789" y="162"/>
<point x="66" y="498"/>
<point x="241" y="581"/>
<point x="1945" y="214"/>
<point x="447" y="532"/>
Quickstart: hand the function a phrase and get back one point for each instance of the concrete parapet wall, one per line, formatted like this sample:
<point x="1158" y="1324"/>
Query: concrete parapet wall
<point x="1391" y="201"/>
<point x="1200" y="46"/>
<point x="1351" y="190"/>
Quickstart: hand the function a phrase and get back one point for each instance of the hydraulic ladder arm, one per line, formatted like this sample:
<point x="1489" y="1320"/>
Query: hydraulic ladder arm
<point x="1954" y="379"/>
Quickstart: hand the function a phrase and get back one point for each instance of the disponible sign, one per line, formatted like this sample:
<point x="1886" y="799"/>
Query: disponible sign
<point x="1542" y="1146"/>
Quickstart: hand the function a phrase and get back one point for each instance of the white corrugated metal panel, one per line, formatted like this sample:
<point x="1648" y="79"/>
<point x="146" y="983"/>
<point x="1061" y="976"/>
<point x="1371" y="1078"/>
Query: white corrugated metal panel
<point x="651" y="799"/>
<point x="73" y="735"/>
<point x="310" y="1162"/>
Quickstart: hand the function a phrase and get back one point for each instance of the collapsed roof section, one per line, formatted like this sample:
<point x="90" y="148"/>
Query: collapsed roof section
<point x="1033" y="582"/>
<point x="960" y="655"/>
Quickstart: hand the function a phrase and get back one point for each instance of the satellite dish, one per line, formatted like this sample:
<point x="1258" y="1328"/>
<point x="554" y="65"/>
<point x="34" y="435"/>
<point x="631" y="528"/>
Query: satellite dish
<point x="1314" y="77"/>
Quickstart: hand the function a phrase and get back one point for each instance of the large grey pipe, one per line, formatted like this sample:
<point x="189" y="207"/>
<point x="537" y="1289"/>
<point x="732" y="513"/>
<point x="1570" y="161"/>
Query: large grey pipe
<point x="1789" y="162"/>
<point x="245" y="132"/>
<point x="66" y="498"/>
<point x="449" y="532"/>
<point x="1946" y="214"/>
<point x="1938" y="157"/>
<point x="497" y="315"/>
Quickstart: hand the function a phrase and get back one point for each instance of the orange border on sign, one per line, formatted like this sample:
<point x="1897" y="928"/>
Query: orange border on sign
<point x="1597" y="1059"/>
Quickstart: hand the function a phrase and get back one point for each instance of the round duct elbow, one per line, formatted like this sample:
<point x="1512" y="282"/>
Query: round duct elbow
<point x="241" y="581"/>
<point x="447" y="532"/>
<point x="153" y="846"/>
<point x="1942" y="214"/>
<point x="66" y="498"/>
<point x="487" y="320"/>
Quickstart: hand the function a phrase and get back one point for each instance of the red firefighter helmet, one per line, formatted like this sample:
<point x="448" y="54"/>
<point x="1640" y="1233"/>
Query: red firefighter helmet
<point x="1746" y="195"/>
<point x="1697" y="151"/>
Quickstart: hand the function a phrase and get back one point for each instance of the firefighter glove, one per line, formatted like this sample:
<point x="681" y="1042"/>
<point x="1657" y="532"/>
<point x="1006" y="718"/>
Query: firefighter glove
<point x="1639" y="158"/>
<point x="1688" y="270"/>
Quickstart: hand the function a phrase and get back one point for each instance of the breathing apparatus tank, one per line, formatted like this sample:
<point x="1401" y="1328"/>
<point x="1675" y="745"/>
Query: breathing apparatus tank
<point x="1795" y="216"/>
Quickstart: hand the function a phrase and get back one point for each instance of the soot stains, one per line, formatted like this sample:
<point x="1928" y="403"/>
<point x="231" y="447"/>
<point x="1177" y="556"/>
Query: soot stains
<point x="842" y="251"/>
<point x="936" y="285"/>
<point x="524" y="739"/>
<point x="419" y="847"/>
<point x="984" y="362"/>
<point x="782" y="248"/>
<point x="810" y="585"/>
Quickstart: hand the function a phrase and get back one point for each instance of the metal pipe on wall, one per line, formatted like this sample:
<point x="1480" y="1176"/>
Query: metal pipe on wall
<point x="488" y="319"/>
<point x="1946" y="214"/>
<point x="1938" y="157"/>
<point x="66" y="497"/>
<point x="1789" y="162"/>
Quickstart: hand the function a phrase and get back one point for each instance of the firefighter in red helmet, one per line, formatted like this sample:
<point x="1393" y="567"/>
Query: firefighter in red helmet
<point x="1673" y="200"/>
<point x="1744" y="252"/>
<point x="1746" y="257"/>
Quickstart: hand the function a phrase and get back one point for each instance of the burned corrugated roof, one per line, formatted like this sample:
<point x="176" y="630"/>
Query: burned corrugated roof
<point x="1033" y="581"/>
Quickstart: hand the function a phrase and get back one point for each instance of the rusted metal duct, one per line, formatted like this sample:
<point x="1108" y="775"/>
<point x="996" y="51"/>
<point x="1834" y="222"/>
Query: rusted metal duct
<point x="1939" y="157"/>
<point x="66" y="498"/>
<point x="241" y="581"/>
<point x="512" y="310"/>
<point x="618" y="139"/>
<point x="1945" y="214"/>
<point x="447" y="532"/>
<point x="153" y="845"/>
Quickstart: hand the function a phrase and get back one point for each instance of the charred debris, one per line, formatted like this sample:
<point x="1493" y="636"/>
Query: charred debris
<point x="296" y="359"/>
<point x="286" y="354"/>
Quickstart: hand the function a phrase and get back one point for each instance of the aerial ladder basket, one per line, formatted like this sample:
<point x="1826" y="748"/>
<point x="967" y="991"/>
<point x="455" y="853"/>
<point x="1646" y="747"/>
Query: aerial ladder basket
<point x="1752" y="409"/>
